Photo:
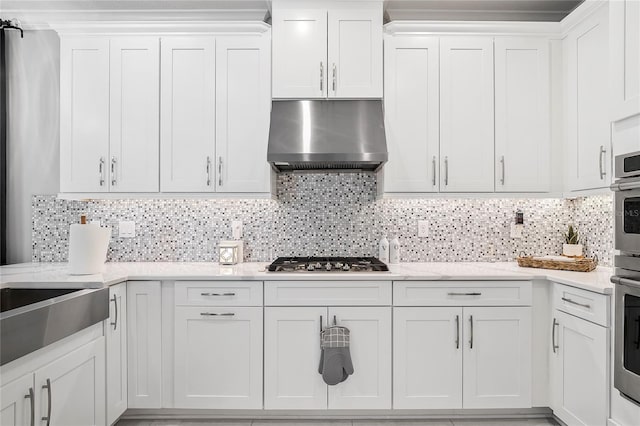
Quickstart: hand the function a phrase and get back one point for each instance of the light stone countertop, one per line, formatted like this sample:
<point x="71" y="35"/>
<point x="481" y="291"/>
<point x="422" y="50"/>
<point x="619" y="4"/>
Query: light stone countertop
<point x="55" y="275"/>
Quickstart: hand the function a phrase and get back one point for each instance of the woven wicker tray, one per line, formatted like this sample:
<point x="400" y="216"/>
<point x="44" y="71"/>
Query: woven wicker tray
<point x="579" y="265"/>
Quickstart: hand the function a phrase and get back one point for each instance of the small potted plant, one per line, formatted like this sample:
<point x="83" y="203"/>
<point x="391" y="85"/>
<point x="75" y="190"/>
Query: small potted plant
<point x="572" y="246"/>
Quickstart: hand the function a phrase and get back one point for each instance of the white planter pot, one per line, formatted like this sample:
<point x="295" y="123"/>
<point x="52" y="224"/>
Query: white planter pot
<point x="572" y="249"/>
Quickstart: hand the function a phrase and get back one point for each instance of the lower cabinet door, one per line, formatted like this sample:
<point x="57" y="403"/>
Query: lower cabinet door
<point x="116" y="341"/>
<point x="369" y="387"/>
<point x="71" y="389"/>
<point x="17" y="402"/>
<point x="579" y="371"/>
<point x="218" y="357"/>
<point x="497" y="357"/>
<point x="291" y="358"/>
<point x="427" y="359"/>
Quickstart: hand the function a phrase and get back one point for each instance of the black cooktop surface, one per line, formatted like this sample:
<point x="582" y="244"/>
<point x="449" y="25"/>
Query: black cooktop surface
<point x="327" y="264"/>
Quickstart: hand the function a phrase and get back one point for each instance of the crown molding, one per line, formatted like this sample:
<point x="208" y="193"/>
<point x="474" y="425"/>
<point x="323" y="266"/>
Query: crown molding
<point x="158" y="27"/>
<point x="551" y="29"/>
<point x="582" y="12"/>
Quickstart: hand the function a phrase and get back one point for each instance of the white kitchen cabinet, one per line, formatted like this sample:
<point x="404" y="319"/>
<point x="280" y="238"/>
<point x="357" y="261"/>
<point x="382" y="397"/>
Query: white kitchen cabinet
<point x="427" y="359"/>
<point x="187" y="112"/>
<point x="299" y="53"/>
<point x="411" y="102"/>
<point x="292" y="357"/>
<point x="624" y="19"/>
<point x="497" y="357"/>
<point x="243" y="105"/>
<point x="218" y="357"/>
<point x="134" y="114"/>
<point x="17" y="402"/>
<point x="466" y="114"/>
<point x="579" y="370"/>
<point x="327" y="51"/>
<point x="355" y="53"/>
<point x="144" y="344"/>
<point x="587" y="88"/>
<point x="522" y="114"/>
<point x="84" y="114"/>
<point x="116" y="342"/>
<point x="369" y="387"/>
<point x="71" y="389"/>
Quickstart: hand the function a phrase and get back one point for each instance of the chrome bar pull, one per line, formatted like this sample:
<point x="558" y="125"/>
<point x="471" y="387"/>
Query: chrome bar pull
<point x="457" y="331"/>
<point x="433" y="175"/>
<point x="320" y="323"/>
<point x="208" y="171"/>
<point x="335" y="77"/>
<point x="446" y="171"/>
<point x="553" y="335"/>
<point x="114" y="179"/>
<point x="470" y="331"/>
<point x="32" y="401"/>
<point x="101" y="171"/>
<point x="464" y="294"/>
<point x="573" y="302"/>
<point x="321" y="77"/>
<point x="48" y="388"/>
<point x="215" y="314"/>
<point x="502" y="167"/>
<point x="603" y="172"/>
<point x="219" y="171"/>
<point x="217" y="294"/>
<point x="115" y="305"/>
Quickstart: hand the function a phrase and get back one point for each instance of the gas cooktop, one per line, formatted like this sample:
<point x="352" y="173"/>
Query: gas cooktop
<point x="327" y="264"/>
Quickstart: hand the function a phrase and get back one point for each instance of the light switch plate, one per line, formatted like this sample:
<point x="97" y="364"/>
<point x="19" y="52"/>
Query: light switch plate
<point x="516" y="230"/>
<point x="236" y="229"/>
<point x="423" y="228"/>
<point x="126" y="229"/>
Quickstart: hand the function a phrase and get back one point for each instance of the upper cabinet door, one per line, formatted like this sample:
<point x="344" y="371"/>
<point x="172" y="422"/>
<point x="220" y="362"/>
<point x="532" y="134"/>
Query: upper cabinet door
<point x="187" y="126"/>
<point x="412" y="114"/>
<point x="624" y="18"/>
<point x="522" y="136"/>
<point x="588" y="125"/>
<point x="355" y="53"/>
<point x="466" y="114"/>
<point x="242" y="113"/>
<point x="135" y="105"/>
<point x="84" y="114"/>
<point x="299" y="39"/>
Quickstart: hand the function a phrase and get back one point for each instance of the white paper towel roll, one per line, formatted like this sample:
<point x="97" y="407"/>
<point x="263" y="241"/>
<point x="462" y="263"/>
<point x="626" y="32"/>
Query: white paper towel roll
<point x="88" y="246"/>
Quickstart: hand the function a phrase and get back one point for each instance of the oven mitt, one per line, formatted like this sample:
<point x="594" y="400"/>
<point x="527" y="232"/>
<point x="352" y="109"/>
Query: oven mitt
<point x="335" y="358"/>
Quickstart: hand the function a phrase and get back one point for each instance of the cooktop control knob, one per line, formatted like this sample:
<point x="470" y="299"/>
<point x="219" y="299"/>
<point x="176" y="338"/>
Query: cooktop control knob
<point x="328" y="266"/>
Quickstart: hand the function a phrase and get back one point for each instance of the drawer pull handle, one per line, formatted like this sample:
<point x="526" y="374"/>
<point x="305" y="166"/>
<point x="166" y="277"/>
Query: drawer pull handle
<point x="553" y="336"/>
<point x="464" y="294"/>
<point x="457" y="331"/>
<point x="584" y="305"/>
<point x="214" y="314"/>
<point x="217" y="294"/>
<point x="471" y="332"/>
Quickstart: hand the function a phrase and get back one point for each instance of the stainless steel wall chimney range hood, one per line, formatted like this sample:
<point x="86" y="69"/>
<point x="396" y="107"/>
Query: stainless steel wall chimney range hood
<point x="327" y="135"/>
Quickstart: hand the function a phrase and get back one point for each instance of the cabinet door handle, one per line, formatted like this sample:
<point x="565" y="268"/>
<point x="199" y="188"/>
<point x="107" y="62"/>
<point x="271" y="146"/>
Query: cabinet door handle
<point x="603" y="172"/>
<point x="433" y="174"/>
<point x="208" y="171"/>
<point x="335" y="77"/>
<point x="114" y="179"/>
<point x="320" y="323"/>
<point x="553" y="336"/>
<point x="215" y="314"/>
<point x="217" y="294"/>
<point x="573" y="302"/>
<point x="32" y="401"/>
<point x="321" y="77"/>
<point x="101" y="171"/>
<point x="446" y="171"/>
<point x="457" y="331"/>
<point x="48" y="388"/>
<point x="219" y="171"/>
<point x="470" y="331"/>
<point x="464" y="294"/>
<point x="502" y="167"/>
<point x="115" y="306"/>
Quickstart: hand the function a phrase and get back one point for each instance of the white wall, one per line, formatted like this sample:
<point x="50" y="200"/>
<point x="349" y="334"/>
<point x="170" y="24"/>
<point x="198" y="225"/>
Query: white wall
<point x="33" y="135"/>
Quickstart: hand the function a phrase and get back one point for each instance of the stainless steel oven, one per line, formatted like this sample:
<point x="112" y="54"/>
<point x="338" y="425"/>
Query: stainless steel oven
<point x="627" y="203"/>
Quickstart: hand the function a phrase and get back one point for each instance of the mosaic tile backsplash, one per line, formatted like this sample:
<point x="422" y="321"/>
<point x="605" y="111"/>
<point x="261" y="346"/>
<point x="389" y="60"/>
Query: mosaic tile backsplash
<point x="327" y="215"/>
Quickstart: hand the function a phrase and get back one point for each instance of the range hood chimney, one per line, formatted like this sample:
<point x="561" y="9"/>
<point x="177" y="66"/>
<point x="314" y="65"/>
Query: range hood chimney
<point x="327" y="135"/>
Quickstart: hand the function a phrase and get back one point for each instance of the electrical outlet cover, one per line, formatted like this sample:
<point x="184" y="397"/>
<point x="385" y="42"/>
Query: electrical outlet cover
<point x="236" y="229"/>
<point x="423" y="228"/>
<point x="126" y="229"/>
<point x="516" y="230"/>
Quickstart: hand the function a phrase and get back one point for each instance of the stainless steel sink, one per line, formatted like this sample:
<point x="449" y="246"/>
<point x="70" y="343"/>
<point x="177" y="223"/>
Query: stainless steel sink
<point x="32" y="318"/>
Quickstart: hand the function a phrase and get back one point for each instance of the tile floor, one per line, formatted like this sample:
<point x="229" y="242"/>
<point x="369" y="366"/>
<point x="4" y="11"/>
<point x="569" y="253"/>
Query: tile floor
<point x="444" y="422"/>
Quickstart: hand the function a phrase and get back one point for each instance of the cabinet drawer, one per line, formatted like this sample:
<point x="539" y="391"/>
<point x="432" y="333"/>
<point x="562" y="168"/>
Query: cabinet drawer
<point x="218" y="293"/>
<point x="462" y="293"/>
<point x="327" y="293"/>
<point x="585" y="304"/>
